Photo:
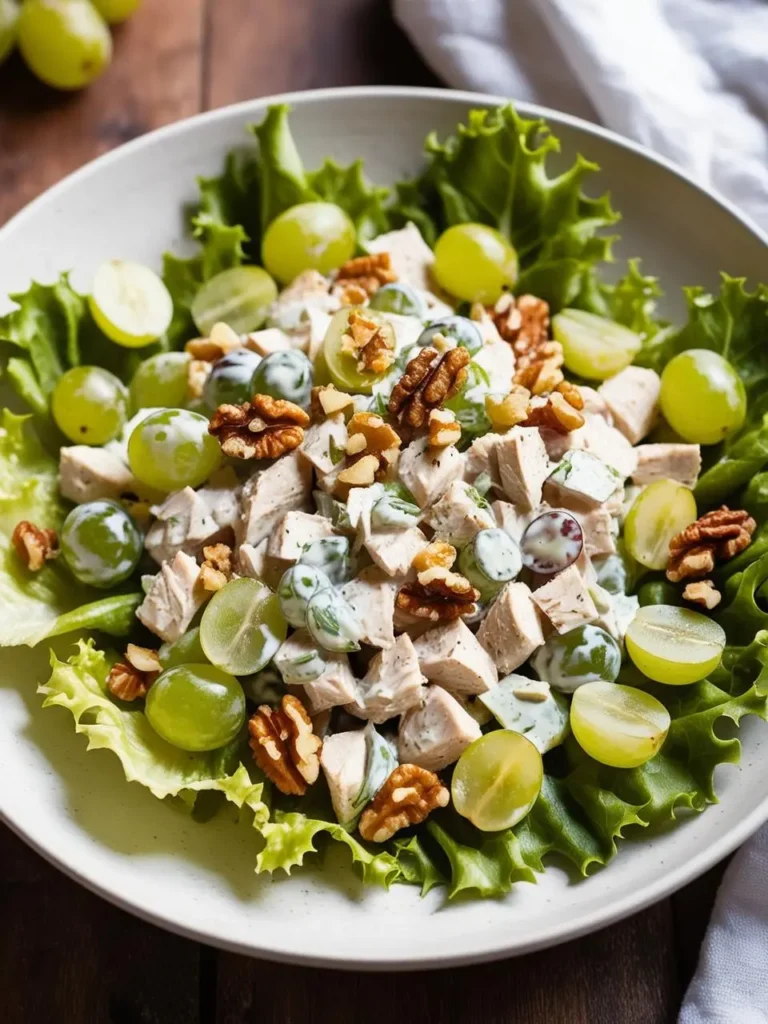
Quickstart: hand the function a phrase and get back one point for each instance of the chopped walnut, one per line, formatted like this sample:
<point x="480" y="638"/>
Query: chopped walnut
<point x="703" y="592"/>
<point x="379" y="436"/>
<point x="326" y="401"/>
<point x="439" y="552"/>
<point x="364" y="274"/>
<point x="427" y="384"/>
<point x="351" y="293"/>
<point x="557" y="413"/>
<point x="284" y="745"/>
<point x="264" y="428"/>
<point x="370" y="342"/>
<point x="716" y="536"/>
<point x="198" y="372"/>
<point x="221" y="342"/>
<point x="216" y="570"/>
<point x="127" y="683"/>
<point x="543" y="375"/>
<point x="444" y="428"/>
<point x="35" y="545"/>
<point x="143" y="659"/>
<point x="361" y="473"/>
<point x="408" y="796"/>
<point x="510" y="410"/>
<point x="524" y="323"/>
<point x="438" y="594"/>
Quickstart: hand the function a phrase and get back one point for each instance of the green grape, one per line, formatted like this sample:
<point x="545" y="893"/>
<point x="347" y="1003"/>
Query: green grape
<point x="658" y="592"/>
<point x="469" y="405"/>
<point x="231" y="380"/>
<point x="593" y="346"/>
<point x="464" y="332"/>
<point x="242" y="627"/>
<point x="65" y="42"/>
<point x="342" y="366"/>
<point x="89" y="405"/>
<point x="702" y="397"/>
<point x="239" y="297"/>
<point x="618" y="725"/>
<point x="331" y="556"/>
<point x="310" y="236"/>
<point x="160" y="382"/>
<point x="285" y="375"/>
<point x="9" y="21"/>
<point x="674" y="645"/>
<point x="658" y="514"/>
<point x="172" y="449"/>
<point x="196" y="707"/>
<point x="333" y="623"/>
<point x="582" y="655"/>
<point x="475" y="262"/>
<point x="130" y="303"/>
<point x="298" y="586"/>
<point x="115" y="11"/>
<point x="399" y="298"/>
<point x="497" y="780"/>
<point x="187" y="650"/>
<point x="100" y="543"/>
<point x="491" y="559"/>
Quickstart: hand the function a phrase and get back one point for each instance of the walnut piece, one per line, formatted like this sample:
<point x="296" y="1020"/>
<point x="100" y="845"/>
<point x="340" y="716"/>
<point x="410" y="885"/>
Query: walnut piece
<point x="221" y="342"/>
<point x="361" y="473"/>
<point x="438" y="594"/>
<point x="285" y="746"/>
<point x="439" y="552"/>
<point x="524" y="323"/>
<point x="143" y="659"/>
<point x="426" y="384"/>
<point x="408" y="796"/>
<point x="372" y="343"/>
<point x="198" y="372"/>
<point x="379" y="436"/>
<point x="364" y="274"/>
<point x="557" y="413"/>
<point x="444" y="428"/>
<point x="264" y="428"/>
<point x="510" y="410"/>
<point x="703" y="592"/>
<point x="35" y="545"/>
<point x="216" y="570"/>
<point x="127" y="683"/>
<point x="716" y="536"/>
<point x="326" y="401"/>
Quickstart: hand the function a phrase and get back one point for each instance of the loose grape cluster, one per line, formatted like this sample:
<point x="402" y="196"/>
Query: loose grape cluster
<point x="66" y="43"/>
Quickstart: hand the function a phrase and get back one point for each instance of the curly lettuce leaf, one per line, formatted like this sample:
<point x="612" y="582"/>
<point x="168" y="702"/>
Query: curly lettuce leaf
<point x="487" y="865"/>
<point x="416" y="865"/>
<point x="632" y="301"/>
<point x="740" y="460"/>
<point x="743" y="616"/>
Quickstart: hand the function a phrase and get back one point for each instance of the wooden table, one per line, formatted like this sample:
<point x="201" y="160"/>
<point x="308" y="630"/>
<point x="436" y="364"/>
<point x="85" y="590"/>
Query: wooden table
<point x="69" y="957"/>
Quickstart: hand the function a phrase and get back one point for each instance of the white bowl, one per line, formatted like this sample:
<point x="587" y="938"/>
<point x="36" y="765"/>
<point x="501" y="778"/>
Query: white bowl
<point x="76" y="808"/>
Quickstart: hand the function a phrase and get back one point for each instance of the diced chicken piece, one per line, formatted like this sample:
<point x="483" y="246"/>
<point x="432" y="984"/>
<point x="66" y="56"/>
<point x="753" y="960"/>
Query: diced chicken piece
<point x="414" y="626"/>
<point x="459" y="515"/>
<point x="608" y="444"/>
<point x="256" y="563"/>
<point x="511" y="631"/>
<point x="429" y="472"/>
<point x="344" y="760"/>
<point x="88" y="474"/>
<point x="407" y="330"/>
<point x="221" y="496"/>
<point x="372" y="595"/>
<point x="633" y="399"/>
<point x="523" y="466"/>
<point x="482" y="457"/>
<point x="285" y="486"/>
<point x="360" y="502"/>
<point x="566" y="601"/>
<point x="324" y="443"/>
<point x="270" y="340"/>
<point x="411" y="257"/>
<point x="498" y="361"/>
<point x="333" y="687"/>
<point x="437" y="734"/>
<point x="581" y="482"/>
<point x="681" y="462"/>
<point x="509" y="519"/>
<point x="327" y="481"/>
<point x="308" y="291"/>
<point x="173" y="598"/>
<point x="182" y="524"/>
<point x="594" y="403"/>
<point x="318" y="322"/>
<point x="451" y="656"/>
<point x="598" y="529"/>
<point x="295" y="530"/>
<point x="392" y="684"/>
<point x="394" y="550"/>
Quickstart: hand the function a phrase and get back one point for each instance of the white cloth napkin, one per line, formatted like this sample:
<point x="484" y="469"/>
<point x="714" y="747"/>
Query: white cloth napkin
<point x="688" y="78"/>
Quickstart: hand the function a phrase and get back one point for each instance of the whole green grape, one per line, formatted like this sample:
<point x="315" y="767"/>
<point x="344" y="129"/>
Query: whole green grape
<point x="285" y="375"/>
<point x="310" y="236"/>
<point x="398" y="298"/>
<point x="100" y="543"/>
<point x="65" y="42"/>
<point x="196" y="707"/>
<point x="9" y="21"/>
<point x="463" y="331"/>
<point x="187" y="650"/>
<point x="582" y="655"/>
<point x="89" y="405"/>
<point x="231" y="379"/>
<point x="475" y="262"/>
<point x="172" y="449"/>
<point x="702" y="397"/>
<point x="658" y="592"/>
<point x="115" y="11"/>
<point x="160" y="382"/>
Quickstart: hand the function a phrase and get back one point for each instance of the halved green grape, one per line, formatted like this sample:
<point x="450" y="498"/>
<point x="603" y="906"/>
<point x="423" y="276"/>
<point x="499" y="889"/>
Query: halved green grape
<point x="230" y="381"/>
<point x="130" y="303"/>
<point x="196" y="707"/>
<point x="160" y="382"/>
<point x="475" y="262"/>
<point x="310" y="236"/>
<point x="618" y="725"/>
<point x="9" y="23"/>
<point x="341" y="365"/>
<point x="332" y="622"/>
<point x="187" y="650"/>
<point x="100" y="543"/>
<point x="658" y="514"/>
<point x="285" y="375"/>
<point x="398" y="298"/>
<point x="593" y="346"/>
<point x="65" y="42"/>
<point x="242" y="627"/>
<point x="89" y="405"/>
<point x="331" y="556"/>
<point x="674" y="645"/>
<point x="583" y="655"/>
<point x="115" y="11"/>
<point x="172" y="449"/>
<point x="239" y="297"/>
<point x="491" y="559"/>
<point x="463" y="331"/>
<point x="497" y="780"/>
<point x="702" y="396"/>
<point x="298" y="586"/>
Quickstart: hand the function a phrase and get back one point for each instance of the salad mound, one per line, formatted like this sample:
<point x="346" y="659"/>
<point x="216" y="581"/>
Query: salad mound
<point x="390" y="521"/>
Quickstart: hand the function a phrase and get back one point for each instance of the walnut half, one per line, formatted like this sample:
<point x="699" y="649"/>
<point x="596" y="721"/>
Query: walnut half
<point x="264" y="428"/>
<point x="438" y="594"/>
<point x="427" y="383"/>
<point x="284" y="745"/>
<point x="35" y="545"/>
<point x="408" y="796"/>
<point x="716" y="536"/>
